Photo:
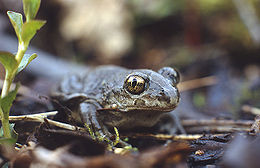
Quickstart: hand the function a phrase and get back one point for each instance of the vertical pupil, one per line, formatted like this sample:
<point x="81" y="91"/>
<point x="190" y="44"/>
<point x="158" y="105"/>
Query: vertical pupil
<point x="134" y="82"/>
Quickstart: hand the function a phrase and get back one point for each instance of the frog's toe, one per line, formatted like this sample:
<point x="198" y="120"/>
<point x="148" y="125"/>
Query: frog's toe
<point x="102" y="133"/>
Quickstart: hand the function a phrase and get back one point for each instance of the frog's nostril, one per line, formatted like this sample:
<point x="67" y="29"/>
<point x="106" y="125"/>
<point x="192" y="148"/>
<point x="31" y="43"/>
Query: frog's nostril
<point x="139" y="102"/>
<point x="165" y="98"/>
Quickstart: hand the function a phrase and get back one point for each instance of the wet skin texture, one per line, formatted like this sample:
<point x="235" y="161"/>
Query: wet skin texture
<point x="111" y="96"/>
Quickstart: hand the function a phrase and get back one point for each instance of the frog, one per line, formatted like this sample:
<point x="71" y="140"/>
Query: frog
<point x="111" y="96"/>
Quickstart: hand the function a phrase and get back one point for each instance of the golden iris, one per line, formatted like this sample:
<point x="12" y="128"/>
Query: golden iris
<point x="135" y="84"/>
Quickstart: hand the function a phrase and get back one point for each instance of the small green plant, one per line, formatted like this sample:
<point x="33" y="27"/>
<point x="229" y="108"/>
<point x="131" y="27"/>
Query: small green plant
<point x="15" y="63"/>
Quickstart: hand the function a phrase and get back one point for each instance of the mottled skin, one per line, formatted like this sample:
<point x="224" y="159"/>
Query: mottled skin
<point x="100" y="97"/>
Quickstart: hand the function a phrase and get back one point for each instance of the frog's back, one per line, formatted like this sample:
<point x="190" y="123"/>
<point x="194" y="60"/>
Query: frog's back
<point x="102" y="78"/>
<point x="91" y="83"/>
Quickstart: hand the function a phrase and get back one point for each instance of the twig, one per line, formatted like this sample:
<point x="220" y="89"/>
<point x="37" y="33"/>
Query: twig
<point x="216" y="129"/>
<point x="197" y="83"/>
<point x="181" y="137"/>
<point x="65" y="126"/>
<point x="176" y="137"/>
<point x="42" y="117"/>
<point x="219" y="126"/>
<point x="250" y="109"/>
<point x="39" y="115"/>
<point x="190" y="123"/>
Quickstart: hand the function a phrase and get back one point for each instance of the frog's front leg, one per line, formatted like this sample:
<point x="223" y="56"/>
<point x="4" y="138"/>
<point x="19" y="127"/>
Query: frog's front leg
<point x="88" y="112"/>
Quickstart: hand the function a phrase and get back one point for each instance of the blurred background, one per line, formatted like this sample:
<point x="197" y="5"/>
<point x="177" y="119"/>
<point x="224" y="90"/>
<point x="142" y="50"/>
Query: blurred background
<point x="201" y="38"/>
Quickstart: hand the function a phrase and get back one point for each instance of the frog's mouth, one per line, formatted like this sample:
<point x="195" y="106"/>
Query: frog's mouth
<point x="139" y="109"/>
<point x="154" y="109"/>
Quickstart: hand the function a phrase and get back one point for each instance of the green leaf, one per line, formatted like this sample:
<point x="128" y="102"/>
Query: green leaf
<point x="17" y="22"/>
<point x="30" y="8"/>
<point x="8" y="60"/>
<point x="27" y="58"/>
<point x="11" y="140"/>
<point x="5" y="141"/>
<point x="29" y="29"/>
<point x="13" y="132"/>
<point x="6" y="102"/>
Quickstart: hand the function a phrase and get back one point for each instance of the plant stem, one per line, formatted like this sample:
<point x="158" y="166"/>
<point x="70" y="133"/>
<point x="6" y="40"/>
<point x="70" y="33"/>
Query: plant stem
<point x="5" y="124"/>
<point x="5" y="115"/>
<point x="21" y="51"/>
<point x="9" y="76"/>
<point x="6" y="85"/>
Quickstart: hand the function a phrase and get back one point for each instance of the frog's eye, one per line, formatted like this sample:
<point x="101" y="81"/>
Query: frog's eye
<point x="135" y="84"/>
<point x="171" y="74"/>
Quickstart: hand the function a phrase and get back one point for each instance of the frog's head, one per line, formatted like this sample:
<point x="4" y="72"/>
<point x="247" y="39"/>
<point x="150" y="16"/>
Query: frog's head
<point x="146" y="90"/>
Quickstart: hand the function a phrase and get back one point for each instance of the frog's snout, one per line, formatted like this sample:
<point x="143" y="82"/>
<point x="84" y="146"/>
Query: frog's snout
<point x="171" y="97"/>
